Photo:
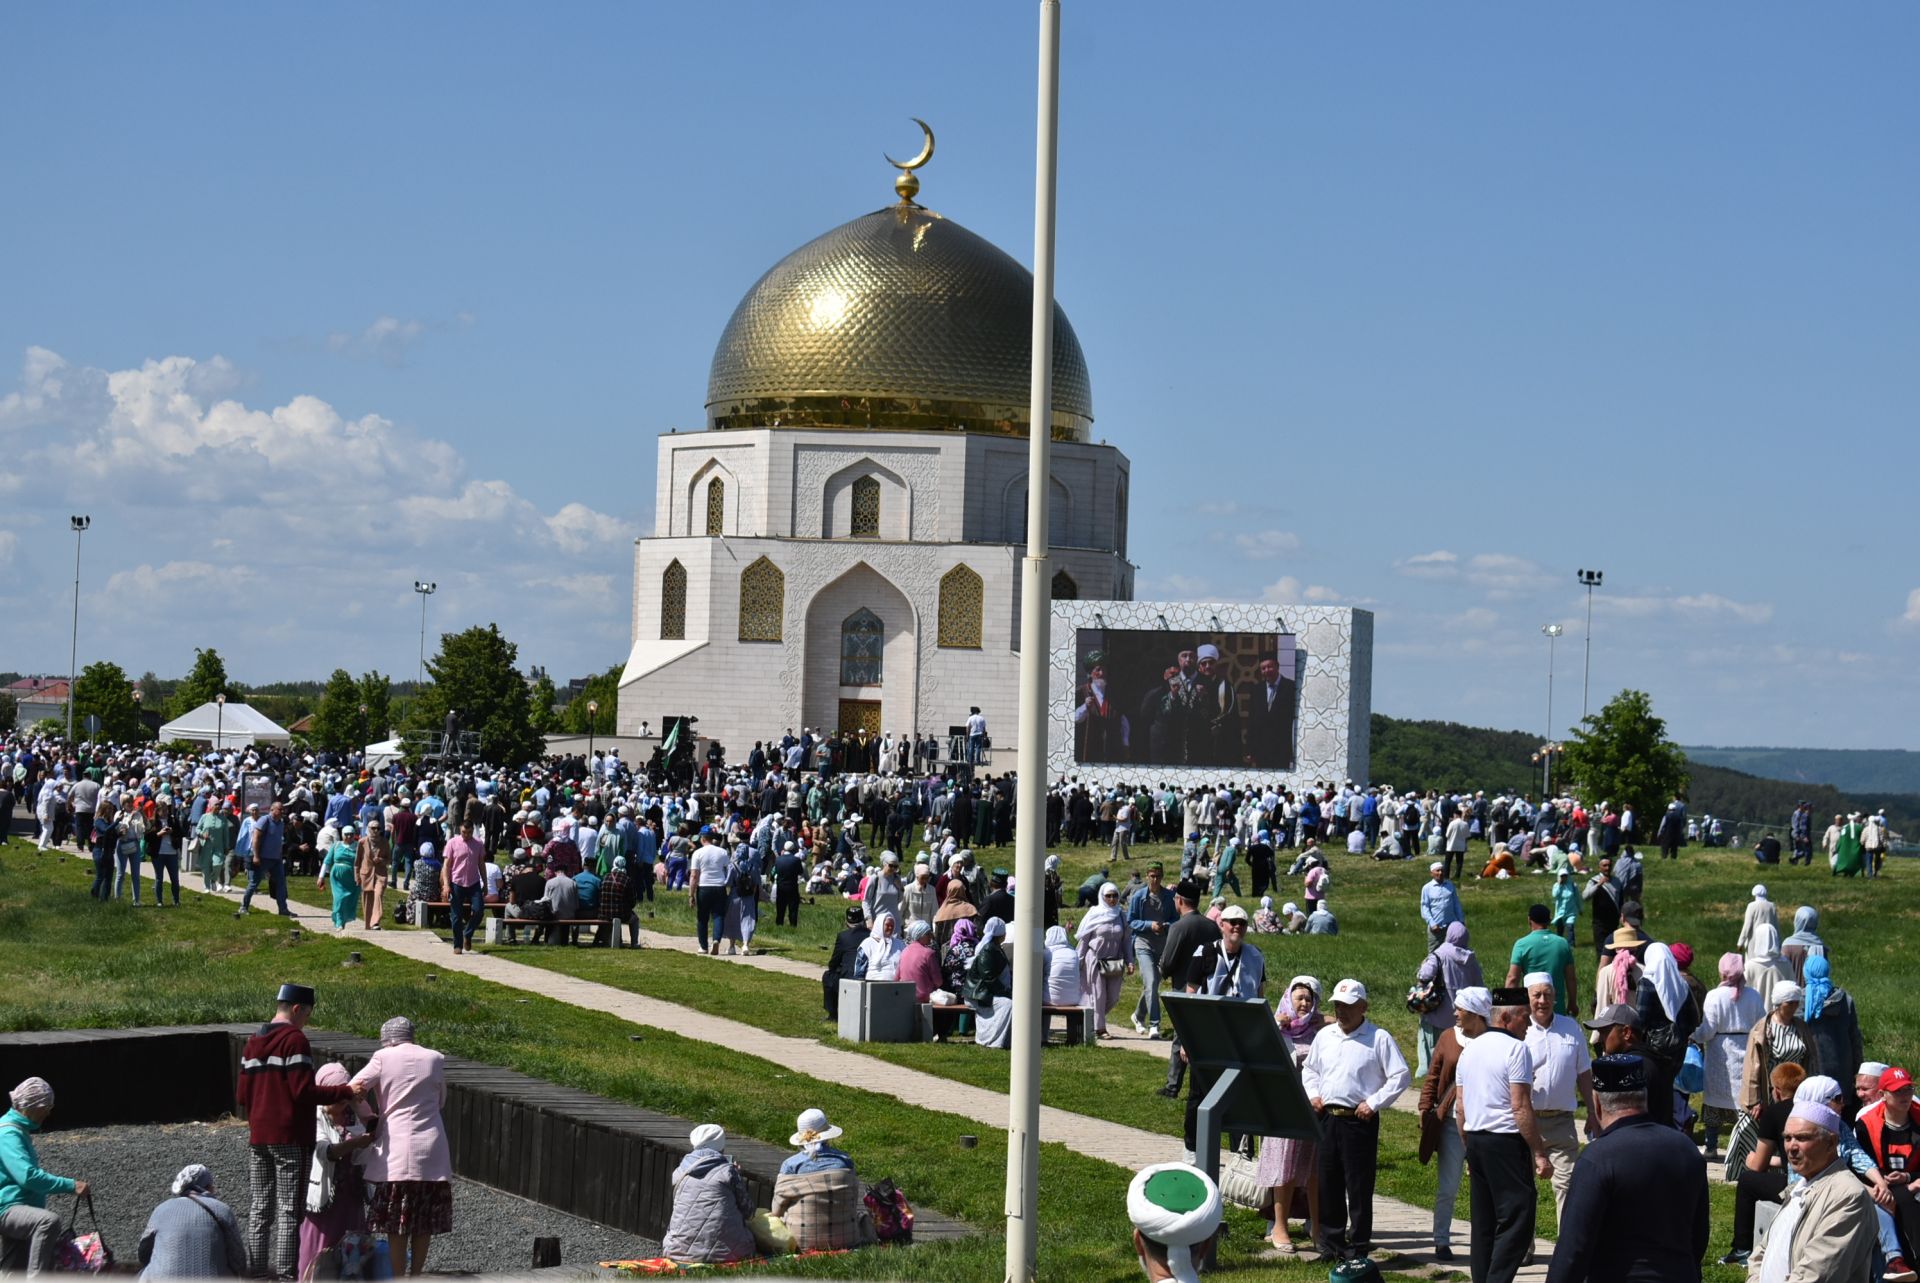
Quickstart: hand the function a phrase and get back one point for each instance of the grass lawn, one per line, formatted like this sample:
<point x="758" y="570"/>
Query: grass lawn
<point x="72" y="962"/>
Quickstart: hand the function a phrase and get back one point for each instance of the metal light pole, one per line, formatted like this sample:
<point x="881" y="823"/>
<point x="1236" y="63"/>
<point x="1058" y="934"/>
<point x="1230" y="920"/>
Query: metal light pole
<point x="220" y="722"/>
<point x="1591" y="578"/>
<point x="593" y="711"/>
<point x="1036" y="598"/>
<point x="1552" y="632"/>
<point x="425" y="590"/>
<point x="79" y="526"/>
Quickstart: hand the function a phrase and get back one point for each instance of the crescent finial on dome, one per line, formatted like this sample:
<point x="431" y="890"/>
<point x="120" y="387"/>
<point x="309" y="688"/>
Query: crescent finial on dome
<point x="908" y="183"/>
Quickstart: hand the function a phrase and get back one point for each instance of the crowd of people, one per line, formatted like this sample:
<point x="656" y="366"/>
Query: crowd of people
<point x="1504" y="1063"/>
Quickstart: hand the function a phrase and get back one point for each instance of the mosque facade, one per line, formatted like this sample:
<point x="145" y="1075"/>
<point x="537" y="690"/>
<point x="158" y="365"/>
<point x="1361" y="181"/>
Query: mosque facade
<point x="838" y="547"/>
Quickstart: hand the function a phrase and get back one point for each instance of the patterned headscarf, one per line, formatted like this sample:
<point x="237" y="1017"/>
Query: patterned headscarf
<point x="32" y="1093"/>
<point x="395" y="1031"/>
<point x="194" y="1178"/>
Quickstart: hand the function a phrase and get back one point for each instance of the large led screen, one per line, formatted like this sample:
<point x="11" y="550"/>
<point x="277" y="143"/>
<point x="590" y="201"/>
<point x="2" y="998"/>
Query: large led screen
<point x="1160" y="697"/>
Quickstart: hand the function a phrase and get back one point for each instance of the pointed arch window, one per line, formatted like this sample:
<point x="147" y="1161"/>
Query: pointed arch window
<point x="763" y="602"/>
<point x="866" y="508"/>
<point x="1064" y="589"/>
<point x="961" y="599"/>
<point x="673" y="602"/>
<point x="863" y="641"/>
<point x="716" y="506"/>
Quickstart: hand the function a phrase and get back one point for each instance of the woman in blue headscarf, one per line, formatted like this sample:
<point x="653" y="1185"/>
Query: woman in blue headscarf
<point x="1832" y="1023"/>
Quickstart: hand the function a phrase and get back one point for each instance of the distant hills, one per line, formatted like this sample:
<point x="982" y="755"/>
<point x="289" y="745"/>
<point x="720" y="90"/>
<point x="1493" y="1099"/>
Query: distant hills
<point x="1853" y="770"/>
<point x="1423" y="755"/>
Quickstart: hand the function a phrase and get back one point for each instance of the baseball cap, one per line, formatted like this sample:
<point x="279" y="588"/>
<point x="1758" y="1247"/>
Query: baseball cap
<point x="1618" y="1013"/>
<point x="1349" y="990"/>
<point x="1894" y="1079"/>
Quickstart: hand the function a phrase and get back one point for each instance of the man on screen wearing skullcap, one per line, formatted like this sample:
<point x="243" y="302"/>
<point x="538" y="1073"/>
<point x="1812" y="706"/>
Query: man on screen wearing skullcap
<point x="1636" y="1211"/>
<point x="278" y="1094"/>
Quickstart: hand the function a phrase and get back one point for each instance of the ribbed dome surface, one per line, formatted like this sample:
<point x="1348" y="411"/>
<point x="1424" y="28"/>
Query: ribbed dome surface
<point x="898" y="319"/>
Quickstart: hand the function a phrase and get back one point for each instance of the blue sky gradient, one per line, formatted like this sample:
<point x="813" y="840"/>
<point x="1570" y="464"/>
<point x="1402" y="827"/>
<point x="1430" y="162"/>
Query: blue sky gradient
<point x="1419" y="308"/>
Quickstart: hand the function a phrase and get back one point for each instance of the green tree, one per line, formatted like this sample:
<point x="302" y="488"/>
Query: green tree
<point x="602" y="689"/>
<point x="476" y="674"/>
<point x="336" y="723"/>
<point x="1622" y="755"/>
<point x="207" y="679"/>
<point x="376" y="696"/>
<point x="102" y="690"/>
<point x="541" y="697"/>
<point x="9" y="712"/>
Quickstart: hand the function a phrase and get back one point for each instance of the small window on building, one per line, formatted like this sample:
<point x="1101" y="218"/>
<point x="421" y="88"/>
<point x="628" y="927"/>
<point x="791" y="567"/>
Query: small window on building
<point x="763" y="602"/>
<point x="866" y="508"/>
<point x="716" y="507"/>
<point x="1064" y="589"/>
<point x="863" y="639"/>
<point x="673" y="603"/>
<point x="960" y="608"/>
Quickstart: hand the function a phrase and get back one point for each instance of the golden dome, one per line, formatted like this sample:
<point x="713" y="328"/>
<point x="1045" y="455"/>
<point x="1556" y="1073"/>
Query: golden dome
<point x="900" y="319"/>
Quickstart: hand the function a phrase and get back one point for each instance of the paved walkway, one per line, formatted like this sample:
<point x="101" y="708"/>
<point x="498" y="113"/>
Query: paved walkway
<point x="1400" y="1228"/>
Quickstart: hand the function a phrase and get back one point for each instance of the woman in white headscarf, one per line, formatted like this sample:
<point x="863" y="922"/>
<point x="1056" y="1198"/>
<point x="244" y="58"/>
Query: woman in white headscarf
<point x="987" y="987"/>
<point x="1063" y="970"/>
<point x="192" y="1235"/>
<point x="1101" y="941"/>
<point x="1765" y="967"/>
<point x="879" y="957"/>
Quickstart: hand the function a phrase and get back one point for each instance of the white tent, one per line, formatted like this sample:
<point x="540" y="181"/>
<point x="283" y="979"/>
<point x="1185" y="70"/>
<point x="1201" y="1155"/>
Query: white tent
<point x="378" y="755"/>
<point x="234" y="726"/>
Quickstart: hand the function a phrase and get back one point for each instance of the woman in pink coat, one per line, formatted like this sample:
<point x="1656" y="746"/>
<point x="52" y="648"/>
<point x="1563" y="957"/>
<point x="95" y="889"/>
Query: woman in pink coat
<point x="408" y="1165"/>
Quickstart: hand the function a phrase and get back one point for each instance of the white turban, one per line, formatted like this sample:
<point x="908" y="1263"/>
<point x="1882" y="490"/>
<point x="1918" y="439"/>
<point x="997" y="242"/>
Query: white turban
<point x="1178" y="1206"/>
<point x="1207" y="651"/>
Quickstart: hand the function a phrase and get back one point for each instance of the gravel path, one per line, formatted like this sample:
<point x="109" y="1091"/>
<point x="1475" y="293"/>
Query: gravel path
<point x="132" y="1169"/>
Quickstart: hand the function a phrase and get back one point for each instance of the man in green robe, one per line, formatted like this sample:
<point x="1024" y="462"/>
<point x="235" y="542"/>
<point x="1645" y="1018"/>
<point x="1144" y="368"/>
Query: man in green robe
<point x="1848" y="853"/>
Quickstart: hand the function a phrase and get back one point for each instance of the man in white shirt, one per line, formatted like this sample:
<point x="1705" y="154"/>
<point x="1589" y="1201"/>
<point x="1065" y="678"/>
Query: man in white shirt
<point x="1562" y="1077"/>
<point x="976" y="735"/>
<point x="1495" y="1115"/>
<point x="1458" y="833"/>
<point x="1353" y="1071"/>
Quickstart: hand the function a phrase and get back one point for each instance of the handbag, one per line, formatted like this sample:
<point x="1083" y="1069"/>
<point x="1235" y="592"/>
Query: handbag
<point x="1113" y="966"/>
<point x="1693" y="1071"/>
<point x="85" y="1253"/>
<point x="1239" y="1178"/>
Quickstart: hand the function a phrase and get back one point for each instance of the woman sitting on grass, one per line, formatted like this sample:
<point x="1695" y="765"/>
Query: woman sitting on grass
<point x="708" y="1225"/>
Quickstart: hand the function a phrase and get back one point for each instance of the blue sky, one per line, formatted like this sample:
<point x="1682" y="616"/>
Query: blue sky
<point x="1420" y="308"/>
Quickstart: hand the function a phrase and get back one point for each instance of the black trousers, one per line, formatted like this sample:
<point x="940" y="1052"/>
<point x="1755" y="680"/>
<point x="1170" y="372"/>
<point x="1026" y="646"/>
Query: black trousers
<point x="1456" y="862"/>
<point x="1750" y="1189"/>
<point x="1501" y="1171"/>
<point x="786" y="904"/>
<point x="1349" y="1159"/>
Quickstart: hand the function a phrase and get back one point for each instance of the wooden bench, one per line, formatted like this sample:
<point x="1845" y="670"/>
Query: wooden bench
<point x="505" y="930"/>
<point x="440" y="912"/>
<point x="1076" y="1028"/>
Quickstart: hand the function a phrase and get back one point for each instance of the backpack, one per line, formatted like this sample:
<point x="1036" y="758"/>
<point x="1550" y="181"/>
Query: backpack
<point x="890" y="1212"/>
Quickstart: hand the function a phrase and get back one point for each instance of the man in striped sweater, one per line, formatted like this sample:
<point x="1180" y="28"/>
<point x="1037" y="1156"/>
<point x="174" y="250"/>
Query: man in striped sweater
<point x="278" y="1095"/>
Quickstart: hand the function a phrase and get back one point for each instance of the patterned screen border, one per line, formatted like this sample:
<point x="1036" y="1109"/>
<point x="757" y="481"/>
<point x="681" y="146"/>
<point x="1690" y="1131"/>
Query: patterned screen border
<point x="1334" y="720"/>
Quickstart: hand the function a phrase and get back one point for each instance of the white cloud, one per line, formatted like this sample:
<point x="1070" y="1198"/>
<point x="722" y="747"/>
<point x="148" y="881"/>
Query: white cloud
<point x="1503" y="573"/>
<point x="1219" y="508"/>
<point x="1705" y="605"/>
<point x="1695" y="607"/>
<point x="8" y="542"/>
<point x="1259" y="545"/>
<point x="183" y="479"/>
<point x="1321" y="593"/>
<point x="389" y="338"/>
<point x="1439" y="564"/>
<point x="1912" y="617"/>
<point x="1284" y="590"/>
<point x="1474" y="619"/>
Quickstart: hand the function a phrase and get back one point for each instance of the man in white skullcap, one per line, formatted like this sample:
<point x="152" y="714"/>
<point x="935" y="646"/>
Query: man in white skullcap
<point x="1827" y="1229"/>
<point x="1176" y="1212"/>
<point x="1562" y="1078"/>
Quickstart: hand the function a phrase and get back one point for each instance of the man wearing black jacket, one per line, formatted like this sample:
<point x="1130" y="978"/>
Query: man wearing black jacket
<point x="846" y="949"/>
<point x="1189" y="933"/>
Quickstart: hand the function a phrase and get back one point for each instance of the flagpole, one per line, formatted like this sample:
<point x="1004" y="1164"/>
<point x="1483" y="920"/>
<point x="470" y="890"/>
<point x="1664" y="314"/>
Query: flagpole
<point x="1036" y="594"/>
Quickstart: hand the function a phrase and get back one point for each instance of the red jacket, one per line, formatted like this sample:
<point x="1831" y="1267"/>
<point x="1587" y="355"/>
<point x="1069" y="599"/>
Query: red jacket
<point x="277" y="1091"/>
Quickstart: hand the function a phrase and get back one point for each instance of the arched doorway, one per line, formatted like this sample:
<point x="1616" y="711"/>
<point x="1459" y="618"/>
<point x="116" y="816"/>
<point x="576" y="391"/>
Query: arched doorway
<point x="861" y="663"/>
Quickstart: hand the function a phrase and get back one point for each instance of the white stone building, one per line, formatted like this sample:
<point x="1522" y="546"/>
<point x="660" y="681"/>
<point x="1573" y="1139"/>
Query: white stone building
<point x="839" y="547"/>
